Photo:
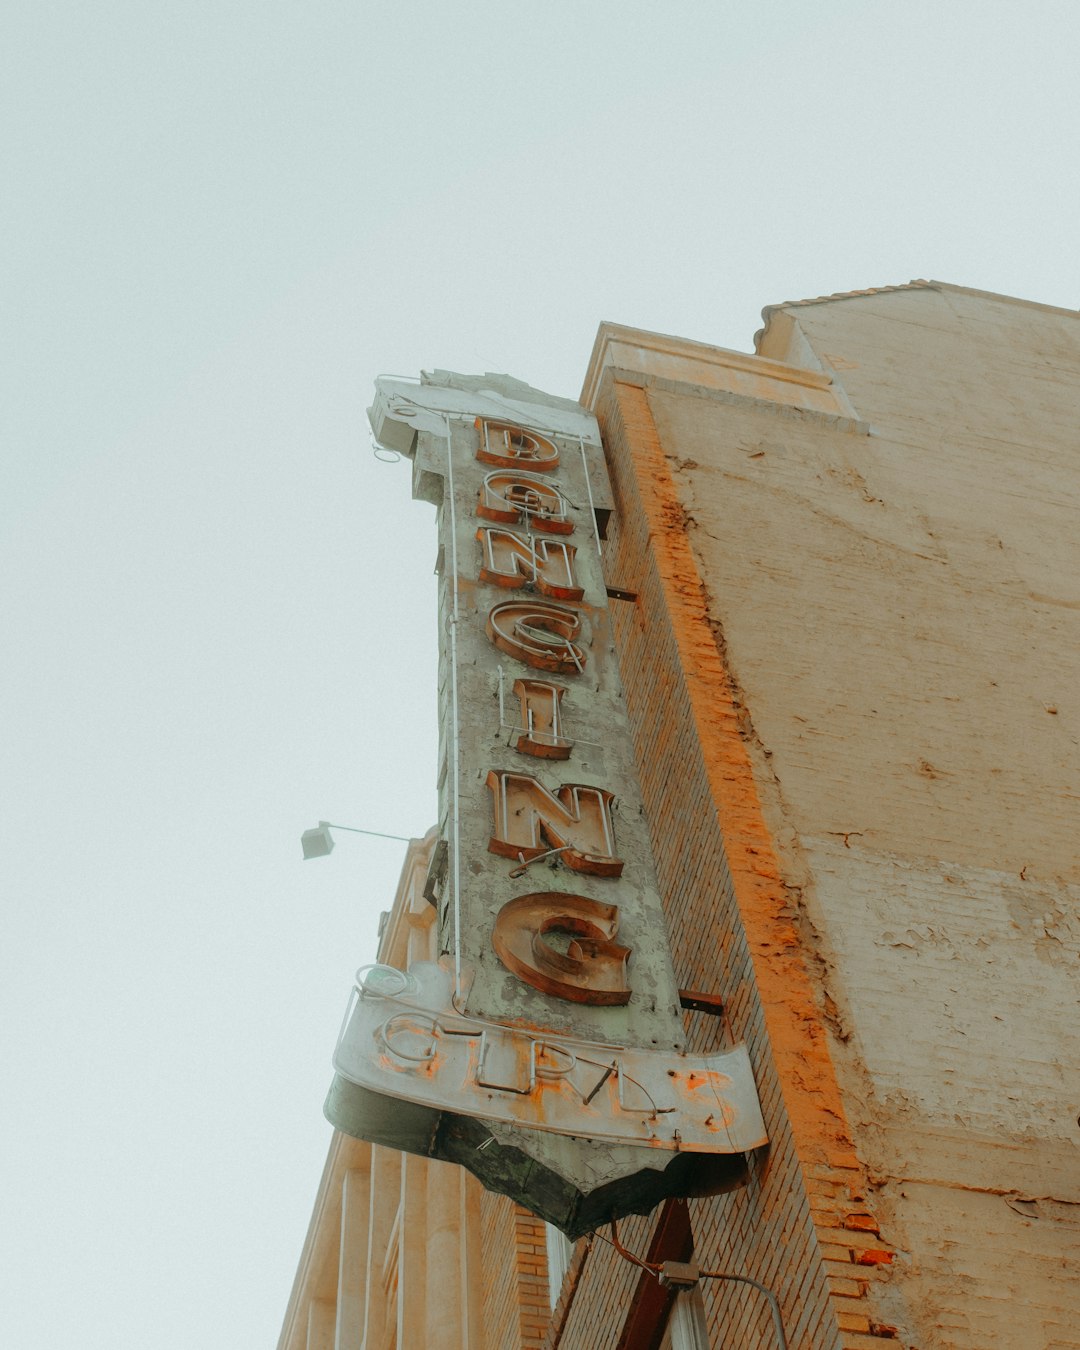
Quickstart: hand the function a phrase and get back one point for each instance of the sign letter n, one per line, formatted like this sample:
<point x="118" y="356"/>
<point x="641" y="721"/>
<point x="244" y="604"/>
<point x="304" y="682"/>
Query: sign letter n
<point x="530" y="821"/>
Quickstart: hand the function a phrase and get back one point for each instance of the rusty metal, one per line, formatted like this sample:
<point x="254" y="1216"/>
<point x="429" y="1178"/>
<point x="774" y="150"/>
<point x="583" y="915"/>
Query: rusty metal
<point x="542" y="715"/>
<point x="593" y="967"/>
<point x="517" y="498"/>
<point x="402" y="1038"/>
<point x="651" y="1266"/>
<point x="651" y="1301"/>
<point x="576" y="819"/>
<point x="538" y="633"/>
<point x="512" y="562"/>
<point x="485" y="1067"/>
<point x="611" y="1068"/>
<point x="695" y="1001"/>
<point x="530" y="821"/>
<point x="508" y="446"/>
<point x="644" y="1332"/>
<point x="525" y="863"/>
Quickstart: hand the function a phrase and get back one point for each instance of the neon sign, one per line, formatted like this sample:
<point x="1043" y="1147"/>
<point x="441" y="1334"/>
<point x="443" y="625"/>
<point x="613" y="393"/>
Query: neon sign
<point x="550" y="1031"/>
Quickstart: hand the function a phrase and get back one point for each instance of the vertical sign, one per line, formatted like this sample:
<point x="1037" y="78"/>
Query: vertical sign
<point x="543" y="811"/>
<point x="547" y="1045"/>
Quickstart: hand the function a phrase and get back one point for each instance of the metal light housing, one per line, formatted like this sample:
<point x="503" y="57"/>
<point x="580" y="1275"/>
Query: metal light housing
<point x="317" y="843"/>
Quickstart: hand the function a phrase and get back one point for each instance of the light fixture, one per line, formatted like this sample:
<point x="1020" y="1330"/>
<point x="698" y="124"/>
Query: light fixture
<point x="318" y="842"/>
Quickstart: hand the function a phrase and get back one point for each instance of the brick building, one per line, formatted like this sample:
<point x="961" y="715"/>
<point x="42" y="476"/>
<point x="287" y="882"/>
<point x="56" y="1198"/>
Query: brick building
<point x="844" y="582"/>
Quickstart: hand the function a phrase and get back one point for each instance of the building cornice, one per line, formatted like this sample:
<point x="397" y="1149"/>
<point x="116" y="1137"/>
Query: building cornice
<point x="694" y="362"/>
<point x="659" y="357"/>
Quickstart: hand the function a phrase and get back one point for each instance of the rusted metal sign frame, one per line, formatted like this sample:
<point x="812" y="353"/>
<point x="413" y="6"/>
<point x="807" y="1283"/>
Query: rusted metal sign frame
<point x="410" y="1042"/>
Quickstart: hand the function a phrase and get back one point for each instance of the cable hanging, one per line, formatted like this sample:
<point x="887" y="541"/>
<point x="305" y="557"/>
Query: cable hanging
<point x="654" y="1269"/>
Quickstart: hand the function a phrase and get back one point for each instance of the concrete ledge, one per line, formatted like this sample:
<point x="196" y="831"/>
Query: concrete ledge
<point x="658" y="356"/>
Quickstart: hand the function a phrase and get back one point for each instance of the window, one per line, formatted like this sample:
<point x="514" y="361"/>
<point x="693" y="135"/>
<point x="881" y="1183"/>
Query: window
<point x="686" y="1329"/>
<point x="559" y="1248"/>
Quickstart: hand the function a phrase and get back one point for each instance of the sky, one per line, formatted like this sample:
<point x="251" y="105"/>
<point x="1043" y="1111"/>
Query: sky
<point x="220" y="223"/>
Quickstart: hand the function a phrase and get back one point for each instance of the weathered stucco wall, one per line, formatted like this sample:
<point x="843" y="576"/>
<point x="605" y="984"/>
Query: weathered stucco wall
<point x="801" y="1226"/>
<point x="898" y="601"/>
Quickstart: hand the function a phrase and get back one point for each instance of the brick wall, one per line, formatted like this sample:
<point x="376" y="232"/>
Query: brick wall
<point x="896" y="599"/>
<point x="801" y="1226"/>
<point x="534" y="1301"/>
<point x="516" y="1302"/>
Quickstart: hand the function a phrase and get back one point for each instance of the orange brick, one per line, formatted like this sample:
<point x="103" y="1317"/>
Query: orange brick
<point x="853" y="1322"/>
<point x="864" y="1222"/>
<point x="831" y="1252"/>
<point x="847" y="1237"/>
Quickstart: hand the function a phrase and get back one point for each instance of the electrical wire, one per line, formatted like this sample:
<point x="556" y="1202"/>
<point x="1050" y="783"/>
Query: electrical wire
<point x="654" y="1269"/>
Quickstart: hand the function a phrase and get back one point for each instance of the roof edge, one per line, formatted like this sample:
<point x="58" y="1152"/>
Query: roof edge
<point x="1007" y="299"/>
<point x="918" y="284"/>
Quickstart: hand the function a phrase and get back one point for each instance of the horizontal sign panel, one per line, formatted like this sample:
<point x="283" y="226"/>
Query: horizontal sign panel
<point x="403" y="1038"/>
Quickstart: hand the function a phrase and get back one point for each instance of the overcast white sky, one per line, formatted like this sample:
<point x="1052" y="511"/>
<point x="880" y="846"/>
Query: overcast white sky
<point x="219" y="223"/>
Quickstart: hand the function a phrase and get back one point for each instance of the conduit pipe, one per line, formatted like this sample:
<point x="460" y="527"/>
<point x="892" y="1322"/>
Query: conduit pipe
<point x="654" y="1269"/>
